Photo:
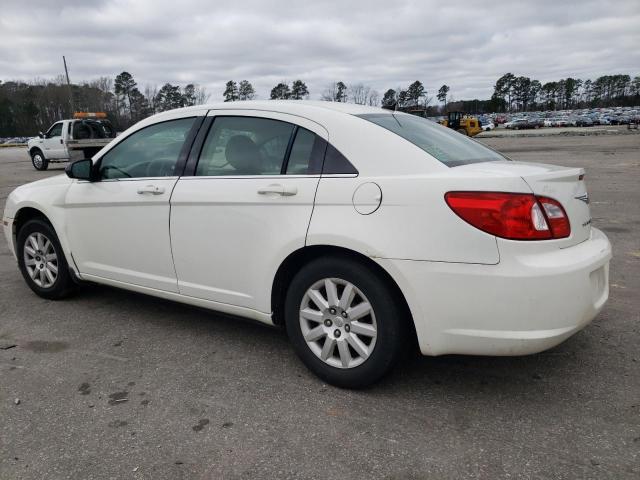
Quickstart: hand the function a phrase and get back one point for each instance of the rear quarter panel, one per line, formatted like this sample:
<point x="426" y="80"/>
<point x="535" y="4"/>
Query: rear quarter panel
<point x="413" y="221"/>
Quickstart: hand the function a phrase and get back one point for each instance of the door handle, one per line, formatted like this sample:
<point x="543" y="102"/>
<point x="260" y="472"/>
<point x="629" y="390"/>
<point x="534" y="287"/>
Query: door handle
<point x="152" y="189"/>
<point x="278" y="189"/>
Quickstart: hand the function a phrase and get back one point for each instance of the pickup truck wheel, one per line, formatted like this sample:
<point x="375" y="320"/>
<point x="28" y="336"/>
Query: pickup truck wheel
<point x="38" y="160"/>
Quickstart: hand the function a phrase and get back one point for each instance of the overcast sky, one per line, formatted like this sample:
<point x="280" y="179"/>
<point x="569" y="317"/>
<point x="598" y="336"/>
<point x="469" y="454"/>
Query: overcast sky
<point x="384" y="44"/>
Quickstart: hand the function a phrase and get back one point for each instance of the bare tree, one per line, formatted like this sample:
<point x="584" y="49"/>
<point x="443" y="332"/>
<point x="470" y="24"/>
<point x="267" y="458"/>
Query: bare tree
<point x="374" y="98"/>
<point x="361" y="94"/>
<point x="150" y="93"/>
<point x="201" y="95"/>
<point x="358" y="93"/>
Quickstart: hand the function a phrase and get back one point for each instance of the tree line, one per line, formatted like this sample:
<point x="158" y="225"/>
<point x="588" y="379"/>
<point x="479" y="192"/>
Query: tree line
<point x="29" y="107"/>
<point x="511" y="93"/>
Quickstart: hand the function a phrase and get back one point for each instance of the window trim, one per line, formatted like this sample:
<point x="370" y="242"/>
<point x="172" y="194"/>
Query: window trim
<point x="181" y="161"/>
<point x="287" y="153"/>
<point x="195" y="152"/>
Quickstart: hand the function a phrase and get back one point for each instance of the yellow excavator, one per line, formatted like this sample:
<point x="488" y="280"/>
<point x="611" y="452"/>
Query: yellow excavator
<point x="462" y="123"/>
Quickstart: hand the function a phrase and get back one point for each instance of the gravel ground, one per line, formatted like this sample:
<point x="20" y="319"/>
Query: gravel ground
<point x="112" y="384"/>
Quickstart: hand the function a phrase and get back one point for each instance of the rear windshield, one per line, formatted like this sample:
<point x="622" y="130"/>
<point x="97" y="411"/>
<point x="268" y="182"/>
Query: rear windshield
<point x="88" y="129"/>
<point x="444" y="144"/>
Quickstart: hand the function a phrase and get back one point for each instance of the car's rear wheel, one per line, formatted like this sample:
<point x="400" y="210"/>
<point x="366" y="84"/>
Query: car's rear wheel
<point x="38" y="161"/>
<point x="344" y="322"/>
<point x="41" y="260"/>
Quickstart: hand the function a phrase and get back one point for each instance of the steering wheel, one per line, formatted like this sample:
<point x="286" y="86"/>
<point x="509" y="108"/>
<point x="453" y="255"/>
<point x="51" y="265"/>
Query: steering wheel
<point x="160" y="168"/>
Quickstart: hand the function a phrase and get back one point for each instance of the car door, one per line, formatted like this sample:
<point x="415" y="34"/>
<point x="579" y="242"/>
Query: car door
<point x="118" y="226"/>
<point x="53" y="142"/>
<point x="246" y="205"/>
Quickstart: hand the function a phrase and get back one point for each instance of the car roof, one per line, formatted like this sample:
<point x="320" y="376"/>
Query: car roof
<point x="296" y="107"/>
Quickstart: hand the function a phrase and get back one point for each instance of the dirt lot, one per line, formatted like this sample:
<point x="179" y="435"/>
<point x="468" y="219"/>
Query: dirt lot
<point x="117" y="385"/>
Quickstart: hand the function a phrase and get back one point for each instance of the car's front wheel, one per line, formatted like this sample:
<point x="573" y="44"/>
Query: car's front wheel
<point x="345" y="323"/>
<point x="42" y="261"/>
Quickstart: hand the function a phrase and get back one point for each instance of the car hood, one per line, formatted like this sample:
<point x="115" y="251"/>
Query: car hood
<point x="61" y="179"/>
<point x="41" y="194"/>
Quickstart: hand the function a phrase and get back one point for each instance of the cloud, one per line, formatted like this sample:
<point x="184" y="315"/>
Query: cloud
<point x="380" y="43"/>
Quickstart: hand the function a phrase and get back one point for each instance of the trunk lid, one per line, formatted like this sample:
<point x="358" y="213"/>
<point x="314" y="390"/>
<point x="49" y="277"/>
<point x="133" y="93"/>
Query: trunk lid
<point x="564" y="184"/>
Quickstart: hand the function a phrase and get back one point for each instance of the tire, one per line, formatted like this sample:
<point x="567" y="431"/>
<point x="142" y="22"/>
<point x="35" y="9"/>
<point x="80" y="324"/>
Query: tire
<point x="462" y="131"/>
<point x="383" y="328"/>
<point x="51" y="278"/>
<point x="38" y="161"/>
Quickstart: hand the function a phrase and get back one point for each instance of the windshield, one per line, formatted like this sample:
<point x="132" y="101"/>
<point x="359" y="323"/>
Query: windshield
<point x="444" y="144"/>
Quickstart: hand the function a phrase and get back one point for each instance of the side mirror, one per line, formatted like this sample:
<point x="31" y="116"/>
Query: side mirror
<point x="41" y="135"/>
<point x="80" y="169"/>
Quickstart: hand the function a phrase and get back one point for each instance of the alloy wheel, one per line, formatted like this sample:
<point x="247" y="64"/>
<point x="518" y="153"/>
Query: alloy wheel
<point x="338" y="323"/>
<point x="41" y="260"/>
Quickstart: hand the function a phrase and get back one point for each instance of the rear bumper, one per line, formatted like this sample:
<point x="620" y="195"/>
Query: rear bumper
<point x="523" y="305"/>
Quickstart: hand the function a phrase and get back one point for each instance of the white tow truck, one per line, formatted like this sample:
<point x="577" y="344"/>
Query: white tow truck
<point x="70" y="140"/>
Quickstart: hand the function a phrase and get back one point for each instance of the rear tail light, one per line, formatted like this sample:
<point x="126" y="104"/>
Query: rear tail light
<point x="515" y="216"/>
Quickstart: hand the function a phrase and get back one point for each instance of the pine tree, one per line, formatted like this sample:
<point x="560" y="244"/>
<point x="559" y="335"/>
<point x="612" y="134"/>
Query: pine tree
<point x="299" y="90"/>
<point x="231" y="92"/>
<point x="123" y="86"/>
<point x="389" y="99"/>
<point x="442" y="94"/>
<point x="280" y="92"/>
<point x="415" y="92"/>
<point x="341" y="92"/>
<point x="169" y="97"/>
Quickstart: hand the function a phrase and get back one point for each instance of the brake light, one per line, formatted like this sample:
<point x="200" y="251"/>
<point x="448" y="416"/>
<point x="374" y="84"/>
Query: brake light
<point x="515" y="216"/>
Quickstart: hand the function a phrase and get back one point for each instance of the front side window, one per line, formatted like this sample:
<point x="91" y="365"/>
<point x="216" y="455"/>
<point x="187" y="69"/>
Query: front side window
<point x="150" y="152"/>
<point x="55" y="131"/>
<point x="244" y="146"/>
<point x="444" y="144"/>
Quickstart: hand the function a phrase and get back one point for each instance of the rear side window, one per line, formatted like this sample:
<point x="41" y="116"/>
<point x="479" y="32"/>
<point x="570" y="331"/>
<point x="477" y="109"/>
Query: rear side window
<point x="244" y="146"/>
<point x="444" y="144"/>
<point x="307" y="152"/>
<point x="335" y="163"/>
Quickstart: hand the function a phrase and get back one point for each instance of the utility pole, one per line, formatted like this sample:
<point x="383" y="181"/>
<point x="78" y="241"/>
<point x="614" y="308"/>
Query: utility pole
<point x="66" y="72"/>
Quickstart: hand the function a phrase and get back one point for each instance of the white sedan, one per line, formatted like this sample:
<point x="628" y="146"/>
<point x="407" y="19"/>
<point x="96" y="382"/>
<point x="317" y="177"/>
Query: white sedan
<point x="360" y="230"/>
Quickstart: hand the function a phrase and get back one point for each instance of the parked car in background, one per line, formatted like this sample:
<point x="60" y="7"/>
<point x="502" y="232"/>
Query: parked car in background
<point x="487" y="126"/>
<point x="584" y="122"/>
<point x="500" y="119"/>
<point x="290" y="213"/>
<point x="519" y="124"/>
<point x="535" y="122"/>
